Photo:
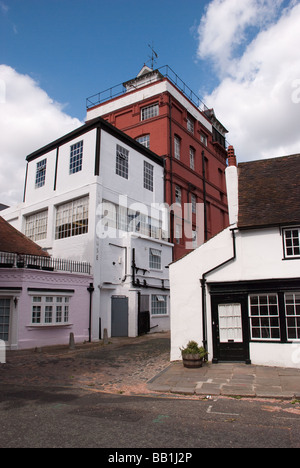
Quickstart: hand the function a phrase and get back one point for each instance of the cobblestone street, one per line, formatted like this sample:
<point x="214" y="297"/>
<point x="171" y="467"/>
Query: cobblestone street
<point x="123" y="366"/>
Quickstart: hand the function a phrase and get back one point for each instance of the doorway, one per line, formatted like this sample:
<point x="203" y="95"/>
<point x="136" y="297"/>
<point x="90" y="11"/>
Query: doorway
<point x="230" y="329"/>
<point x="5" y="308"/>
<point x="119" y="316"/>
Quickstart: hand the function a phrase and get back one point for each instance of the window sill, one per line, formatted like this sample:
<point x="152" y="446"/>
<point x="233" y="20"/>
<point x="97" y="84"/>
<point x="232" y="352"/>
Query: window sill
<point x="159" y="315"/>
<point x="291" y="258"/>
<point x="50" y="325"/>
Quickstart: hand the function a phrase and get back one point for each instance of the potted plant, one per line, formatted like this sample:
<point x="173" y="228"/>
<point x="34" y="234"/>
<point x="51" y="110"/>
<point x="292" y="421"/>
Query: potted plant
<point x="193" y="355"/>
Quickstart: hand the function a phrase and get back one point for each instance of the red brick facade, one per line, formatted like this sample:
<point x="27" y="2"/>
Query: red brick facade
<point x="185" y="143"/>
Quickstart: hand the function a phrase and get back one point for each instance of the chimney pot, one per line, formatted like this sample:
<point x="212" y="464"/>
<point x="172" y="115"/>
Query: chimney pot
<point x="231" y="156"/>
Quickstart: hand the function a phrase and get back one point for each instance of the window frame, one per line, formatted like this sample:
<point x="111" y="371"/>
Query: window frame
<point x="150" y="111"/>
<point x="36" y="225"/>
<point x="45" y="309"/>
<point x="67" y="218"/>
<point x="159" y="311"/>
<point x="192" y="158"/>
<point x="148" y="176"/>
<point x="144" y="140"/>
<point x="155" y="259"/>
<point x="40" y="175"/>
<point x="76" y="157"/>
<point x="122" y="162"/>
<point x="294" y="242"/>
<point x="124" y="219"/>
<point x="178" y="195"/>
<point x="292" y="316"/>
<point x="177" y="147"/>
<point x="190" y="124"/>
<point x="262" y="318"/>
<point x="204" y="138"/>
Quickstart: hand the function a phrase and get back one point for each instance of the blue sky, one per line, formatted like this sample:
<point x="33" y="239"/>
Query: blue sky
<point x="75" y="48"/>
<point x="241" y="56"/>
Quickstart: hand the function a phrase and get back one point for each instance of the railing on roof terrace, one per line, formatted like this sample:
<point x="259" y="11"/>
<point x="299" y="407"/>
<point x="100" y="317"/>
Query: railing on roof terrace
<point x="33" y="262"/>
<point x="165" y="72"/>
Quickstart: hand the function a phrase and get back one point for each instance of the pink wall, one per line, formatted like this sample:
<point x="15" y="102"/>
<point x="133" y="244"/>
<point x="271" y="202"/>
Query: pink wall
<point x="23" y="334"/>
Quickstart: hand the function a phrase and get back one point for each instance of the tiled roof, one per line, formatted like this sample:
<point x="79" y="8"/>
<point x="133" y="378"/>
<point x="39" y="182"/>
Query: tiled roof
<point x="13" y="241"/>
<point x="269" y="192"/>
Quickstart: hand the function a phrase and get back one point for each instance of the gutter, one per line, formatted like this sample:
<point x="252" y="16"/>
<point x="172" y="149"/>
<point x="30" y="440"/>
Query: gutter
<point x="203" y="286"/>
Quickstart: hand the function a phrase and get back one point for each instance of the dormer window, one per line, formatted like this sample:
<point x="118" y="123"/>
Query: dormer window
<point x="292" y="242"/>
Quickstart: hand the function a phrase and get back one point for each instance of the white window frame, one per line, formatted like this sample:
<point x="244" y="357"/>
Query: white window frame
<point x="124" y="219"/>
<point x="192" y="158"/>
<point x="159" y="305"/>
<point x="177" y="147"/>
<point x="36" y="225"/>
<point x="144" y="140"/>
<point x="203" y="138"/>
<point x="292" y="314"/>
<point x="76" y="156"/>
<point x="40" y="177"/>
<point x="190" y="124"/>
<point x="72" y="218"/>
<point x="149" y="112"/>
<point x="262" y="317"/>
<point x="291" y="240"/>
<point x="148" y="176"/>
<point x="178" y="194"/>
<point x="122" y="157"/>
<point x="155" y="259"/>
<point x="50" y="309"/>
<point x="194" y="203"/>
<point x="5" y="325"/>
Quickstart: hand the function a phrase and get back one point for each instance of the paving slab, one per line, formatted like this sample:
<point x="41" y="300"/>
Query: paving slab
<point x="235" y="380"/>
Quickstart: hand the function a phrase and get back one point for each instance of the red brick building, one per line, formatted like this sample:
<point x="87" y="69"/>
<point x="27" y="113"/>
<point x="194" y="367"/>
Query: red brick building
<point x="161" y="112"/>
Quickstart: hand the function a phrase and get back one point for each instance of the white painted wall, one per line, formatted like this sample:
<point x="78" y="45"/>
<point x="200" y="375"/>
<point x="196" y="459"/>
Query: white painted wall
<point x="259" y="257"/>
<point x="186" y="298"/>
<point x="88" y="247"/>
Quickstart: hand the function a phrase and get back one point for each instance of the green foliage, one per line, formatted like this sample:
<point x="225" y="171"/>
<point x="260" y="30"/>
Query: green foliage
<point x="193" y="348"/>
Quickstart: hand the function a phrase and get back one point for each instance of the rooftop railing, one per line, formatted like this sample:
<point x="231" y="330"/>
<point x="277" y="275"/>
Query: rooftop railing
<point x="33" y="262"/>
<point x="164" y="72"/>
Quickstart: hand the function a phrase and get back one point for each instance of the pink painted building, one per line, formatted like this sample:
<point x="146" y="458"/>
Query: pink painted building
<point x="42" y="300"/>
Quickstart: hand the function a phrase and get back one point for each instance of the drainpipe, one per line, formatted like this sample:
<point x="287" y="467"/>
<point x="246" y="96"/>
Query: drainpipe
<point x="90" y="290"/>
<point x="133" y="266"/>
<point x="204" y="197"/>
<point x="171" y="173"/>
<point x="203" y="286"/>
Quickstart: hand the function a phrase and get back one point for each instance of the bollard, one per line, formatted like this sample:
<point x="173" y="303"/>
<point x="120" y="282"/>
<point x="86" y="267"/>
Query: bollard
<point x="71" y="341"/>
<point x="2" y="352"/>
<point x="105" y="336"/>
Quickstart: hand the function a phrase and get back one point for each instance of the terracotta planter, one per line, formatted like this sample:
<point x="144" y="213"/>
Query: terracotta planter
<point x="192" y="361"/>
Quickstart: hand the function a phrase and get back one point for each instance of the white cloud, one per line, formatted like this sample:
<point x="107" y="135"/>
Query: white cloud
<point x="224" y="27"/>
<point x="29" y="119"/>
<point x="258" y="95"/>
<point x="3" y="7"/>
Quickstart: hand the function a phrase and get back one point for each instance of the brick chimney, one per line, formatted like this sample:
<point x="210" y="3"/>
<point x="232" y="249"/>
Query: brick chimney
<point x="232" y="186"/>
<point x="231" y="156"/>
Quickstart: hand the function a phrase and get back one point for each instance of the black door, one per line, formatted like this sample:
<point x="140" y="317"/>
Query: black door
<point x="230" y="329"/>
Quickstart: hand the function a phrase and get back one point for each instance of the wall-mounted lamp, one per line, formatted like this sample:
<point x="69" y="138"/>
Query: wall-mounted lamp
<point x="16" y="300"/>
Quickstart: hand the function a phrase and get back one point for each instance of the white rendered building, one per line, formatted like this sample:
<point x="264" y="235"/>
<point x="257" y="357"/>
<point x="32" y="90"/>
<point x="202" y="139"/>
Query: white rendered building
<point x="239" y="294"/>
<point x="93" y="196"/>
